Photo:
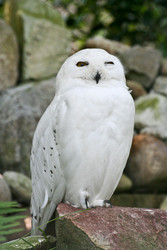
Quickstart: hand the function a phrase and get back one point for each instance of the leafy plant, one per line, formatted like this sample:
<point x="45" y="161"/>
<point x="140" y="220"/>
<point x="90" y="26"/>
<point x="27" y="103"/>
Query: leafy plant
<point x="132" y="22"/>
<point x="24" y="238"/>
<point x="9" y="218"/>
<point x="1" y="8"/>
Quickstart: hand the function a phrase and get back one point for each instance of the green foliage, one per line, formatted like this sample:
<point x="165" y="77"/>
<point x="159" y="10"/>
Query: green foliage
<point x="1" y="8"/>
<point x="32" y="241"/>
<point x="132" y="22"/>
<point x="8" y="218"/>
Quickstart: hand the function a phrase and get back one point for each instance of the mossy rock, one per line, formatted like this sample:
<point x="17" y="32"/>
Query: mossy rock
<point x="30" y="243"/>
<point x="137" y="200"/>
<point x="124" y="184"/>
<point x="151" y="113"/>
<point x="148" y="104"/>
<point x="164" y="204"/>
<point x="43" y="38"/>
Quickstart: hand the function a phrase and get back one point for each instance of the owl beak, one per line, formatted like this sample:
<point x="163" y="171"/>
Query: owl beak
<point x="97" y="77"/>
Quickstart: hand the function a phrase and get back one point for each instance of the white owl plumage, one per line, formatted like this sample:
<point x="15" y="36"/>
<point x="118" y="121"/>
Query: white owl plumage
<point x="82" y="142"/>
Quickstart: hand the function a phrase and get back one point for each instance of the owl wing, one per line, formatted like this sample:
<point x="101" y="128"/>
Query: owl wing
<point x="48" y="184"/>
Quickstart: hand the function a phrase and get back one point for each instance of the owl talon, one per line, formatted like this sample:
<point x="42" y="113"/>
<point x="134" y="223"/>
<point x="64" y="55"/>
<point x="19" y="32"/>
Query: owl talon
<point x="107" y="203"/>
<point x="101" y="203"/>
<point x="86" y="202"/>
<point x="84" y="199"/>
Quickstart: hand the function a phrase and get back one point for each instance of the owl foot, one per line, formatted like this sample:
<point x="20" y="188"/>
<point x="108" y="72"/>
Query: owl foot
<point x="84" y="197"/>
<point x="101" y="203"/>
<point x="84" y="200"/>
<point x="108" y="203"/>
<point x="87" y="203"/>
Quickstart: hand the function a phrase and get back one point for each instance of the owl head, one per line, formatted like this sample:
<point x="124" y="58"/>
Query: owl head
<point x="92" y="67"/>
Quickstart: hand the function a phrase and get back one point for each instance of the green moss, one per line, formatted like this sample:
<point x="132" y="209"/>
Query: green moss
<point x="149" y="103"/>
<point x="31" y="242"/>
<point x="38" y="9"/>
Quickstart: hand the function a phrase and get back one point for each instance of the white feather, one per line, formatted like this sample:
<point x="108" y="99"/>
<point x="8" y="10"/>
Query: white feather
<point x="82" y="141"/>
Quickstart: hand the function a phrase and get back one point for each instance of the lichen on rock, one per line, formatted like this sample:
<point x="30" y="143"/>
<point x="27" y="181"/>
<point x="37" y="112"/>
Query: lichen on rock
<point x="151" y="113"/>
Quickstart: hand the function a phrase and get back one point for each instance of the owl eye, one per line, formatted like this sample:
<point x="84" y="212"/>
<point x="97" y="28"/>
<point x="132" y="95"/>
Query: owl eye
<point x="81" y="64"/>
<point x="108" y="63"/>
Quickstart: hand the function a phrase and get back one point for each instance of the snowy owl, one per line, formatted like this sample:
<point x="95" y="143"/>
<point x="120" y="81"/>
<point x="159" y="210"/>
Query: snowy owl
<point x="82" y="142"/>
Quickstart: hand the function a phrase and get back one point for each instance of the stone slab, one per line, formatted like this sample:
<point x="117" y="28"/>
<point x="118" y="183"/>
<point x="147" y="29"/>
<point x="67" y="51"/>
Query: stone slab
<point x="111" y="228"/>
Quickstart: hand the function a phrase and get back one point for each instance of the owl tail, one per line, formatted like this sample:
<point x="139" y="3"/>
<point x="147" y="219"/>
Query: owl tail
<point x="40" y="220"/>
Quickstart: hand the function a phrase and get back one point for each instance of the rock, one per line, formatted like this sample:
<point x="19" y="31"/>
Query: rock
<point x="113" y="47"/>
<point x="137" y="200"/>
<point x="164" y="204"/>
<point x="137" y="89"/>
<point x="20" y="186"/>
<point x="111" y="228"/>
<point x="31" y="242"/>
<point x="164" y="67"/>
<point x="160" y="85"/>
<point x="5" y="194"/>
<point x="124" y="184"/>
<point x="42" y="55"/>
<point x="142" y="64"/>
<point x="147" y="164"/>
<point x="20" y="110"/>
<point x="151" y="113"/>
<point x="9" y="56"/>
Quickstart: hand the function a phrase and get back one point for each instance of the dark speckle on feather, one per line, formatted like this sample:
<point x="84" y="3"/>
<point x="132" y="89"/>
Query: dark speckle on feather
<point x="43" y="148"/>
<point x="51" y="171"/>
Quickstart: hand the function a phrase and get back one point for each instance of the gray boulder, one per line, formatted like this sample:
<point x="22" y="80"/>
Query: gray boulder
<point x="20" y="186"/>
<point x="9" y="56"/>
<point x="43" y="38"/>
<point x="160" y="85"/>
<point x="142" y="64"/>
<point x="5" y="193"/>
<point x="20" y="111"/>
<point x="113" y="47"/>
<point x="151" y="113"/>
